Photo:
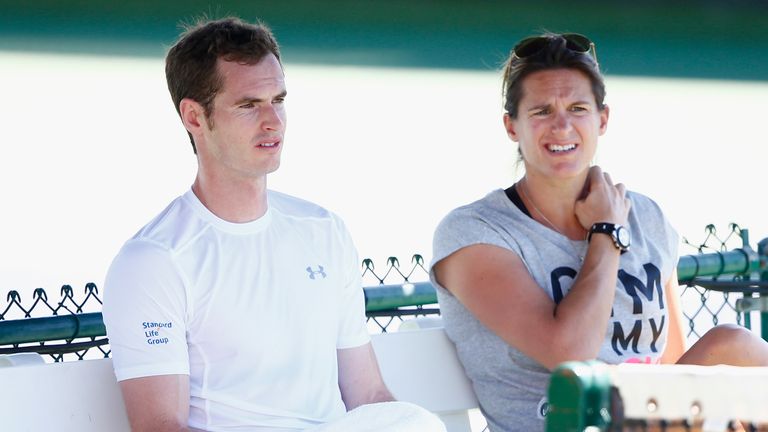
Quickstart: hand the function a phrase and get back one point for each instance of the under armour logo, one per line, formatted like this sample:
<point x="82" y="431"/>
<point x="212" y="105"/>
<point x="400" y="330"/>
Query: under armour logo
<point x="314" y="273"/>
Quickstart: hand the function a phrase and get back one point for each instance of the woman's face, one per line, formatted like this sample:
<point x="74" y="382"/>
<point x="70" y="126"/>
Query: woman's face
<point x="558" y="123"/>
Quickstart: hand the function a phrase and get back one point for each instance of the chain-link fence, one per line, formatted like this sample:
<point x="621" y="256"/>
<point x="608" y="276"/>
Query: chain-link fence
<point x="707" y="302"/>
<point x="70" y="329"/>
<point x="63" y="329"/>
<point x="395" y="273"/>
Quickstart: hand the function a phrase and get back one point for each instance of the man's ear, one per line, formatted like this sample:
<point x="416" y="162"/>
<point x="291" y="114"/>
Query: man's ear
<point x="511" y="126"/>
<point x="192" y="115"/>
<point x="604" y="114"/>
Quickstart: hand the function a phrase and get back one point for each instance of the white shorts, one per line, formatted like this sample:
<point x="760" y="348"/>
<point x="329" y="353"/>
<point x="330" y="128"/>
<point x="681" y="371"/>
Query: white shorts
<point x="384" y="417"/>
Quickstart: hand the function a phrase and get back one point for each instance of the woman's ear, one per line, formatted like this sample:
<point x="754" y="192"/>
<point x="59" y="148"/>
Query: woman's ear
<point x="604" y="114"/>
<point x="510" y="125"/>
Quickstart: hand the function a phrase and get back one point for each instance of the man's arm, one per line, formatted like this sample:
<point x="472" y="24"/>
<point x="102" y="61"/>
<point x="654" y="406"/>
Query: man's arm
<point x="360" y="379"/>
<point x="157" y="403"/>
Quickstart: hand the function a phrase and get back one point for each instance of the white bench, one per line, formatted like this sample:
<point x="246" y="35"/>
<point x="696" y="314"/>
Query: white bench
<point x="419" y="366"/>
<point x="68" y="397"/>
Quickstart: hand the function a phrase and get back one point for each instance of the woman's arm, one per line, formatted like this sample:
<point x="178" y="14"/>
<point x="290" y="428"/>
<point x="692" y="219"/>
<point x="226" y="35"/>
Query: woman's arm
<point x="676" y="335"/>
<point x="494" y="284"/>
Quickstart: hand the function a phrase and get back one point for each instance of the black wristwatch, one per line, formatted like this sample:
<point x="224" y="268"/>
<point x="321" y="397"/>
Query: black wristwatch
<point x="619" y="234"/>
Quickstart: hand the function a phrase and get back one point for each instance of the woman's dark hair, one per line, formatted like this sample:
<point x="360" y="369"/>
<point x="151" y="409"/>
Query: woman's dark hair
<point x="551" y="51"/>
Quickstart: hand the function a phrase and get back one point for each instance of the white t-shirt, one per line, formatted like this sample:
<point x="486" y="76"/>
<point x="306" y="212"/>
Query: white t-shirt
<point x="253" y="312"/>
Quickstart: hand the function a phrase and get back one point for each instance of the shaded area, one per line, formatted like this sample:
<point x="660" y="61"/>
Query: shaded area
<point x="706" y="39"/>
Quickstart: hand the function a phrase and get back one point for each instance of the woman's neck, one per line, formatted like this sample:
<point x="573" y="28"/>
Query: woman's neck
<point x="551" y="203"/>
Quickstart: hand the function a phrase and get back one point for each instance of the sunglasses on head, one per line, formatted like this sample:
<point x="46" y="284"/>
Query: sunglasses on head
<point x="573" y="41"/>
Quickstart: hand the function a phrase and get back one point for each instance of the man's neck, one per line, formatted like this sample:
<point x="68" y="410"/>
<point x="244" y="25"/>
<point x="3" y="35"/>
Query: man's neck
<point x="236" y="201"/>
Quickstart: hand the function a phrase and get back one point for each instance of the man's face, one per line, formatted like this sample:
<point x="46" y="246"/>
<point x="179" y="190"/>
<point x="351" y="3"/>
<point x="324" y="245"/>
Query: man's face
<point x="243" y="137"/>
<point x="558" y="123"/>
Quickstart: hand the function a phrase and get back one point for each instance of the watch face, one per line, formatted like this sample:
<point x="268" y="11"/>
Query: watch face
<point x="622" y="235"/>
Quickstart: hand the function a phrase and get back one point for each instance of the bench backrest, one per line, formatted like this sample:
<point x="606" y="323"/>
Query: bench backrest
<point x="419" y="366"/>
<point x="79" y="396"/>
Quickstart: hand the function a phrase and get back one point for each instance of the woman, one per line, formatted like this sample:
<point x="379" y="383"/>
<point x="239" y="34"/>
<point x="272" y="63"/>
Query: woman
<point x="565" y="264"/>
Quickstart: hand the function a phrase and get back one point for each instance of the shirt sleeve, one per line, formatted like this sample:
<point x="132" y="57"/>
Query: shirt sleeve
<point x="352" y="329"/>
<point x="657" y="230"/>
<point x="466" y="227"/>
<point x="144" y="313"/>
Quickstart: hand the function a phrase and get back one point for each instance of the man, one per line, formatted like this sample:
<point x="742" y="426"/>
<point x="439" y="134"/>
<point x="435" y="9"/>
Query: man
<point x="237" y="308"/>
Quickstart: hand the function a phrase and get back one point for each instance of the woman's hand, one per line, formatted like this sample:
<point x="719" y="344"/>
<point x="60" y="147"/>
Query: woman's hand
<point x="602" y="201"/>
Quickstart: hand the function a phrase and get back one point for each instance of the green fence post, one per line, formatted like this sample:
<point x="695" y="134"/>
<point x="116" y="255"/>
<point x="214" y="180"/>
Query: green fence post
<point x="745" y="245"/>
<point x="762" y="251"/>
<point x="579" y="396"/>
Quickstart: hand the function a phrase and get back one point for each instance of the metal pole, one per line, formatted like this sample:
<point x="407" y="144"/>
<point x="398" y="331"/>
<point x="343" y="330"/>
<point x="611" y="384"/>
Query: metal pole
<point x="762" y="251"/>
<point x="61" y="327"/>
<point x="385" y="297"/>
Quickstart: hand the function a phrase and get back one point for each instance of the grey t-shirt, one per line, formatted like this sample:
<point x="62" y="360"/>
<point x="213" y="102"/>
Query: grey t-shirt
<point x="510" y="386"/>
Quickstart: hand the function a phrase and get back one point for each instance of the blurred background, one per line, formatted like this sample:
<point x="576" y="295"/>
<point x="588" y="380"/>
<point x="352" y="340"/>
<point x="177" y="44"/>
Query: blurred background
<point x="394" y="116"/>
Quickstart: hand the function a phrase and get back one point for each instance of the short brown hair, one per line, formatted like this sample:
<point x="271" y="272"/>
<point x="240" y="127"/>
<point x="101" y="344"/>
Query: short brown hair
<point x="190" y="66"/>
<point x="553" y="55"/>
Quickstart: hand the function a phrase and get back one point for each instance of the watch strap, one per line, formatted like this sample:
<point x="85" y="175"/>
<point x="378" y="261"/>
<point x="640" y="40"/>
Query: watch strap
<point x="601" y="228"/>
<point x="612" y="230"/>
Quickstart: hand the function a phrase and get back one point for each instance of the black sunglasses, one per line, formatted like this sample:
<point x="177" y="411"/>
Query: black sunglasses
<point x="573" y="41"/>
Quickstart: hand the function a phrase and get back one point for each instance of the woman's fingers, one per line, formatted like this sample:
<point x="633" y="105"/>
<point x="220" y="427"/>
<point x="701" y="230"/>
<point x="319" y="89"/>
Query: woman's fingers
<point x="604" y="202"/>
<point x="594" y="176"/>
<point x="608" y="178"/>
<point x="622" y="189"/>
